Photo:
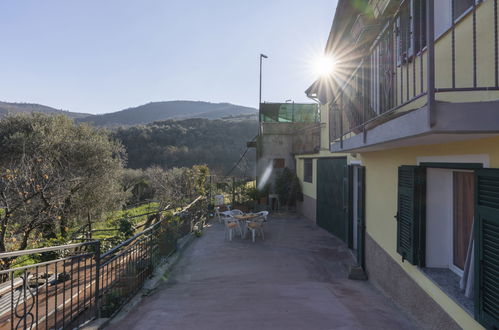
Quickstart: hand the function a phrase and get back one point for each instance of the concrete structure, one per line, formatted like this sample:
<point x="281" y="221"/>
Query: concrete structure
<point x="279" y="142"/>
<point x="295" y="279"/>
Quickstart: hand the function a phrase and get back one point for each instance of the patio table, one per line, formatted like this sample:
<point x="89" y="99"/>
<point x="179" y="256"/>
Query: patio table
<point x="246" y="216"/>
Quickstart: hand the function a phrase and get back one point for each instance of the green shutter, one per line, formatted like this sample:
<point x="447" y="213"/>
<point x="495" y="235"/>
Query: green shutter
<point x="411" y="213"/>
<point x="487" y="247"/>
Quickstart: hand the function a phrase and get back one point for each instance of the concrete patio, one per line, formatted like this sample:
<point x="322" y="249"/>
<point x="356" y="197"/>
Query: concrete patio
<point x="295" y="279"/>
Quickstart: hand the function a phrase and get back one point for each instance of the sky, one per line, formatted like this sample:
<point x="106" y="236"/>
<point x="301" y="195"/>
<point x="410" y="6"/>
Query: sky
<point x="98" y="56"/>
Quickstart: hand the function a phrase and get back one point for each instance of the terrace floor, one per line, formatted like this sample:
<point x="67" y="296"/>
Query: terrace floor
<point x="295" y="279"/>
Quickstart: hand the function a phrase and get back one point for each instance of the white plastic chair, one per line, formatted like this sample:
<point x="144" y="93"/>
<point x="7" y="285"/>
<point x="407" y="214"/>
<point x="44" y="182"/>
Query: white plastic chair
<point x="217" y="213"/>
<point x="263" y="214"/>
<point x="236" y="212"/>
<point x="256" y="227"/>
<point x="231" y="226"/>
<point x="221" y="215"/>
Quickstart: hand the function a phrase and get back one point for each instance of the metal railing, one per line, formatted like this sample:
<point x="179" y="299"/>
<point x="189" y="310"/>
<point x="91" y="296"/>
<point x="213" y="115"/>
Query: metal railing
<point x="70" y="285"/>
<point x="398" y="67"/>
<point x="59" y="290"/>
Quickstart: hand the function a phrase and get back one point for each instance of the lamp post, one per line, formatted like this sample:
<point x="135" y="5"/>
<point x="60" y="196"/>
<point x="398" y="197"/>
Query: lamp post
<point x="262" y="56"/>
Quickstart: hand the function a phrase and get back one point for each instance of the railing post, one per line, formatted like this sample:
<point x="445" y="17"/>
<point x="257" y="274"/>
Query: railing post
<point x="341" y="119"/>
<point x="233" y="191"/>
<point x="430" y="27"/>
<point x="97" y="280"/>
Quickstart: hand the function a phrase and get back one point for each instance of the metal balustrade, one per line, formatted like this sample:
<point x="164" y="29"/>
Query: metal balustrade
<point x="396" y="73"/>
<point x="73" y="284"/>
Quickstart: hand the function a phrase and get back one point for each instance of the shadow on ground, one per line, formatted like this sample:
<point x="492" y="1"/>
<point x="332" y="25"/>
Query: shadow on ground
<point x="295" y="279"/>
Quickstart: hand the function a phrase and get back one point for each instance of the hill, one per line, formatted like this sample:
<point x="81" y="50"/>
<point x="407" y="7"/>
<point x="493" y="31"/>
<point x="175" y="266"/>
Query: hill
<point x="175" y="143"/>
<point x="157" y="111"/>
<point x="13" y="108"/>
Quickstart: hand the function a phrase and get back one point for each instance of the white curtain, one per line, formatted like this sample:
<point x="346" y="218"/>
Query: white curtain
<point x="468" y="278"/>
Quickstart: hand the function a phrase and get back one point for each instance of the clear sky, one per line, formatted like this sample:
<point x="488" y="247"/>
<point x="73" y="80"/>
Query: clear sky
<point x="100" y="56"/>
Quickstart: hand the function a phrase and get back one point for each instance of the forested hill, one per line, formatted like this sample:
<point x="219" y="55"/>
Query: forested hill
<point x="156" y="111"/>
<point x="13" y="108"/>
<point x="216" y="143"/>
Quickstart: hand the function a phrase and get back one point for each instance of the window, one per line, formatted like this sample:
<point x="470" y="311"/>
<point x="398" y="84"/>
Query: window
<point x="308" y="170"/>
<point x="449" y="217"/>
<point x="436" y="208"/>
<point x="410" y="30"/>
<point x="279" y="163"/>
<point x="444" y="14"/>
<point x="461" y="6"/>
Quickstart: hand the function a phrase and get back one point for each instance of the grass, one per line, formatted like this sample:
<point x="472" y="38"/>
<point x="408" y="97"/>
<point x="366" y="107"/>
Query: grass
<point x="132" y="212"/>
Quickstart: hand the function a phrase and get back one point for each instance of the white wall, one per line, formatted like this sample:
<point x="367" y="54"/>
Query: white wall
<point x="438" y="217"/>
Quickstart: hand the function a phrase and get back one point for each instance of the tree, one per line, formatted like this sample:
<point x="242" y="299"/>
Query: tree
<point x="177" y="186"/>
<point x="54" y="175"/>
<point x="184" y="143"/>
<point x="171" y="187"/>
<point x="287" y="187"/>
<point x="137" y="185"/>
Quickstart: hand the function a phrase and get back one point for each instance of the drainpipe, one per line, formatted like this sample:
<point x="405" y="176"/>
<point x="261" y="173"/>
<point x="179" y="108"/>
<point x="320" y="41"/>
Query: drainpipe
<point x="430" y="28"/>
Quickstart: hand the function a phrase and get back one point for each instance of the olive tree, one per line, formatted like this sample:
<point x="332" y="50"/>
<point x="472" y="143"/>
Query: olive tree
<point x="54" y="175"/>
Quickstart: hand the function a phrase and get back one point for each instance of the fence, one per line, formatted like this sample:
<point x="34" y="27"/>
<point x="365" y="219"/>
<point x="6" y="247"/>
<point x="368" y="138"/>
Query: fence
<point x="236" y="191"/>
<point x="73" y="284"/>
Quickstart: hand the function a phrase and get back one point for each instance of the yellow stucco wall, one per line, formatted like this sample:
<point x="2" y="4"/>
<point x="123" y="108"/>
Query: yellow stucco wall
<point x="381" y="205"/>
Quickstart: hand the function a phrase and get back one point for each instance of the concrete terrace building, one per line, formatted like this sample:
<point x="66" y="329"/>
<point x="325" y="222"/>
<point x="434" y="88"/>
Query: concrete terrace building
<point x="286" y="129"/>
<point x="407" y="173"/>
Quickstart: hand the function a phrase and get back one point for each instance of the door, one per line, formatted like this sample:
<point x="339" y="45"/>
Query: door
<point x="332" y="201"/>
<point x="359" y="219"/>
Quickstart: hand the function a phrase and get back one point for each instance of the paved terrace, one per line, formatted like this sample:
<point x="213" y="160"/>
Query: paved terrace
<point x="295" y="279"/>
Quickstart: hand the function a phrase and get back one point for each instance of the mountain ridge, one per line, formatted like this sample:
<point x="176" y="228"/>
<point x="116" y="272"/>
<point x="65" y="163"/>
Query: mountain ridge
<point x="21" y="107"/>
<point x="142" y="114"/>
<point x="164" y="110"/>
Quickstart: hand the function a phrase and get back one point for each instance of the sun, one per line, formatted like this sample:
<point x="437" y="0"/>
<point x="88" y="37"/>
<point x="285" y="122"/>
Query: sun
<point x="324" y="66"/>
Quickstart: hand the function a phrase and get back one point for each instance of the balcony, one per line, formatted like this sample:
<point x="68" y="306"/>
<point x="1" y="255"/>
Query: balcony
<point x="411" y="90"/>
<point x="297" y="124"/>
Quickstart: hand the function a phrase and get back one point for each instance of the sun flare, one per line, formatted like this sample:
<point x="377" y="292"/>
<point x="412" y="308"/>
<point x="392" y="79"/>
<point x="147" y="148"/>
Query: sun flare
<point x="324" y="66"/>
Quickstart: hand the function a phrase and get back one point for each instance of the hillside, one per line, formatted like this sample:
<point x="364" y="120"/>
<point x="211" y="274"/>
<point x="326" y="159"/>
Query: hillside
<point x="216" y="143"/>
<point x="157" y="111"/>
<point x="13" y="108"/>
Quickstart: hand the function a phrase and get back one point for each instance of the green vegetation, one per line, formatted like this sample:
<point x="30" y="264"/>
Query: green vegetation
<point x="287" y="186"/>
<point x="54" y="176"/>
<point x="185" y="143"/>
<point x="62" y="182"/>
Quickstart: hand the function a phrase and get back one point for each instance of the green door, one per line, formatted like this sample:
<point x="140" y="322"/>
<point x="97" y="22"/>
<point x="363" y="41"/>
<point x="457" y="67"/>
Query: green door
<point x="486" y="234"/>
<point x="332" y="191"/>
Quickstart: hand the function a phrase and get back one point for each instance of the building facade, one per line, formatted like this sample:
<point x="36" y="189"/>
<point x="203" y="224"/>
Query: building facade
<point x="409" y="176"/>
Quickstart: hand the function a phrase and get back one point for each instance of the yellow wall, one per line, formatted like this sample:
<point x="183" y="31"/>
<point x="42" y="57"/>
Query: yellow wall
<point x="381" y="205"/>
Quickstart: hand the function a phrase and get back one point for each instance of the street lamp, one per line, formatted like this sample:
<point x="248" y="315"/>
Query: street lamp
<point x="262" y="56"/>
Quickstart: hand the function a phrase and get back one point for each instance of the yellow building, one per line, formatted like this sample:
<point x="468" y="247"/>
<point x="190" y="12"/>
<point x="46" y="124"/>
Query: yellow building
<point x="414" y="102"/>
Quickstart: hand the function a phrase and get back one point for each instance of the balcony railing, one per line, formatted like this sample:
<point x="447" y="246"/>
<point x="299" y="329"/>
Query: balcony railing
<point x="289" y="113"/>
<point x="74" y="284"/>
<point x="398" y="72"/>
